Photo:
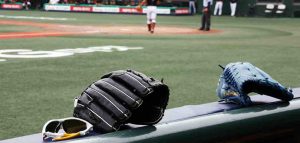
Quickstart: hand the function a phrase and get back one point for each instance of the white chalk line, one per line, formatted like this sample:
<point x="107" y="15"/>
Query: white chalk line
<point x="45" y="34"/>
<point x="37" y="18"/>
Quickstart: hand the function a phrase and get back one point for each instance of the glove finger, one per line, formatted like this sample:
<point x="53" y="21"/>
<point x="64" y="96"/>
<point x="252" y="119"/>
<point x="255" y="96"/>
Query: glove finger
<point x="138" y="82"/>
<point x="119" y="92"/>
<point x="268" y="88"/>
<point x="97" y="116"/>
<point x="108" y="102"/>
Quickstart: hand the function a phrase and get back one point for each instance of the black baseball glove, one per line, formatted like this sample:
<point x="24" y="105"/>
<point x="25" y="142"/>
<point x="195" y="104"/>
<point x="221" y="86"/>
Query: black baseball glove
<point x="121" y="97"/>
<point x="241" y="78"/>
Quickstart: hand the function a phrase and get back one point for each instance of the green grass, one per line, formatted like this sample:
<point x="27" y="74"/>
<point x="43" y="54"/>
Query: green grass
<point x="14" y="28"/>
<point x="33" y="91"/>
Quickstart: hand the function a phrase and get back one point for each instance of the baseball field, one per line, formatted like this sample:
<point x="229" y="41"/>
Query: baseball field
<point x="48" y="58"/>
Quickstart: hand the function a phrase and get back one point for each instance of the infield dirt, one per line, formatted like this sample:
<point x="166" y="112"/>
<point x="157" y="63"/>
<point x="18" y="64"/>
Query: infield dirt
<point x="62" y="30"/>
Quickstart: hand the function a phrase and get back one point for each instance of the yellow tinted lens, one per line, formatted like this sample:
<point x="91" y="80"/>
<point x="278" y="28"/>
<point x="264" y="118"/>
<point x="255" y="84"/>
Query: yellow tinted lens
<point x="73" y="126"/>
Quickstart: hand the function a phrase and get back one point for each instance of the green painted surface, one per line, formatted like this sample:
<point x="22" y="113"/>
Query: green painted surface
<point x="275" y="122"/>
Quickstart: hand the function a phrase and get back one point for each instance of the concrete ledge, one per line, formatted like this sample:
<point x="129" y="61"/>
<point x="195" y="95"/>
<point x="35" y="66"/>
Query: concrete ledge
<point x="210" y="122"/>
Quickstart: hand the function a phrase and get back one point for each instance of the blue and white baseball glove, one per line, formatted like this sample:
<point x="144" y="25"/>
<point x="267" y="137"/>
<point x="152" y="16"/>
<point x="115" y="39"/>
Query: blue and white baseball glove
<point x="241" y="78"/>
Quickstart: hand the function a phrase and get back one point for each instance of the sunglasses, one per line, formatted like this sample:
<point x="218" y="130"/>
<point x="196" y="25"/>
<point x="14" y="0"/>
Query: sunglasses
<point x="72" y="127"/>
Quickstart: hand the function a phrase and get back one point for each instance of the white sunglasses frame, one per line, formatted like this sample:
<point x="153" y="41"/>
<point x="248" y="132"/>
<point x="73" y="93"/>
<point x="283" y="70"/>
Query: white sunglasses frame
<point x="63" y="136"/>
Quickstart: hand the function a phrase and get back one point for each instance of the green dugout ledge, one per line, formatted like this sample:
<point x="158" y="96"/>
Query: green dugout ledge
<point x="269" y="120"/>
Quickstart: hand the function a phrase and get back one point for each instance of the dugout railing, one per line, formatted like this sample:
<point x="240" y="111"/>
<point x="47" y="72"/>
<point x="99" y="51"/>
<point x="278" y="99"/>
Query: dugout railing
<point x="269" y="120"/>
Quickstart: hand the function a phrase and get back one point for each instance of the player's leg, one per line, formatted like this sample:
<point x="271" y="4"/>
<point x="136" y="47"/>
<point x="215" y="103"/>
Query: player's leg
<point x="153" y="23"/>
<point x="190" y="7"/>
<point x="207" y="28"/>
<point x="216" y="8"/>
<point x="153" y="19"/>
<point x="233" y="9"/>
<point x="148" y="19"/>
<point x="203" y="21"/>
<point x="220" y="8"/>
<point x="207" y="19"/>
<point x="194" y="8"/>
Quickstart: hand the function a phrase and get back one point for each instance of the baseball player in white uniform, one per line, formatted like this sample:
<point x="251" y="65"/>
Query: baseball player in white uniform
<point x="151" y="13"/>
<point x="192" y="7"/>
<point x="233" y="4"/>
<point x="218" y="7"/>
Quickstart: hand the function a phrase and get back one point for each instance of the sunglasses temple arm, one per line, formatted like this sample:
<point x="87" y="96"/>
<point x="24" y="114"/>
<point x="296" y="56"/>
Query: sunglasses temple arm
<point x="67" y="136"/>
